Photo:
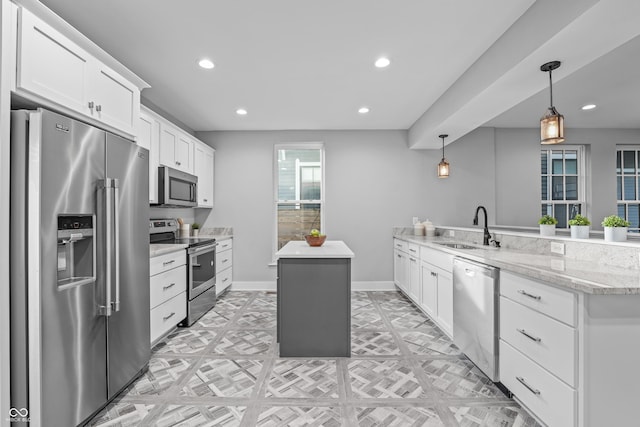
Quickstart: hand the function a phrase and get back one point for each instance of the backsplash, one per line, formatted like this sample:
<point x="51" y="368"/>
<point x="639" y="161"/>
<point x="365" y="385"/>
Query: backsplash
<point x="620" y="254"/>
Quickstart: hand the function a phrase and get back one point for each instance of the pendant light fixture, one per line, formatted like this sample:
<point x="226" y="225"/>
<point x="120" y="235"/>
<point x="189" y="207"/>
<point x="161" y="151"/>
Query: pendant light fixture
<point x="552" y="123"/>
<point x="443" y="166"/>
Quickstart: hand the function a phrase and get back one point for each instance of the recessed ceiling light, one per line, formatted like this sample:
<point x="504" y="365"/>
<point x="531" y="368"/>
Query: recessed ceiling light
<point x="206" y="63"/>
<point x="382" y="62"/>
<point x="589" y="107"/>
<point x="363" y="110"/>
<point x="241" y="112"/>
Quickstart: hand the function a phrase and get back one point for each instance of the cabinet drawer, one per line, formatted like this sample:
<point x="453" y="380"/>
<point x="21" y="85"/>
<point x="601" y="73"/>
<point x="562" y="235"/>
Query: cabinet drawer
<point x="224" y="280"/>
<point x="438" y="258"/>
<point x="224" y="260"/>
<point x="554" y="302"/>
<point x="167" y="285"/>
<point x="167" y="315"/>
<point x="546" y="341"/>
<point x="400" y="245"/>
<point x="166" y="262"/>
<point x="550" y="399"/>
<point x="413" y="249"/>
<point x="224" y="245"/>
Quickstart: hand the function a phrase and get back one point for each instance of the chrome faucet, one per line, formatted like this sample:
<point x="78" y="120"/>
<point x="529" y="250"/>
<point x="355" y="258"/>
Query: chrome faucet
<point x="487" y="235"/>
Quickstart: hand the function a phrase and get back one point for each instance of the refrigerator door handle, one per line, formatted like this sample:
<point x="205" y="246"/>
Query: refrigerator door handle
<point x="116" y="224"/>
<point x="105" y="186"/>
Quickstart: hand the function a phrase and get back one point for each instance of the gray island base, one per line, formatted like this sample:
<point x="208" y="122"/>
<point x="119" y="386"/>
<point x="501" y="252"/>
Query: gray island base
<point x="314" y="300"/>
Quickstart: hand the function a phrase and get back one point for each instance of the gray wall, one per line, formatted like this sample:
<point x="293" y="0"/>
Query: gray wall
<point x="373" y="182"/>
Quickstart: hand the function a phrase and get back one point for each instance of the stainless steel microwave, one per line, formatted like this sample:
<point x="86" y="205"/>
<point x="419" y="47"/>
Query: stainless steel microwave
<point x="177" y="188"/>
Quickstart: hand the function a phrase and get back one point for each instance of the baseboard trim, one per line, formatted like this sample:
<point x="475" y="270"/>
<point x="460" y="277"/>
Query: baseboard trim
<point x="270" y="286"/>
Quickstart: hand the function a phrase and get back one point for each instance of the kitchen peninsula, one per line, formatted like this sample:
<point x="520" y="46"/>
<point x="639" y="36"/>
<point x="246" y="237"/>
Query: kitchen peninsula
<point x="314" y="299"/>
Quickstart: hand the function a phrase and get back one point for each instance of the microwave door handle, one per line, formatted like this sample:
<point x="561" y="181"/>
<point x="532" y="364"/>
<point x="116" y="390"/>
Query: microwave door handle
<point x="116" y="226"/>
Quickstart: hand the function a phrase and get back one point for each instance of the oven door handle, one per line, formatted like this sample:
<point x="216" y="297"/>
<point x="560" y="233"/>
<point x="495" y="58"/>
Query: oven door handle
<point x="201" y="249"/>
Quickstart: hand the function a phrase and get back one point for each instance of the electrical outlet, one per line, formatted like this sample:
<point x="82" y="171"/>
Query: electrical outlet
<point x="557" y="248"/>
<point x="452" y="233"/>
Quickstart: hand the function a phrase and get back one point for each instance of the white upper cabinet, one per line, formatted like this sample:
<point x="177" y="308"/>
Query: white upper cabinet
<point x="203" y="162"/>
<point x="176" y="149"/>
<point x="149" y="138"/>
<point x="58" y="73"/>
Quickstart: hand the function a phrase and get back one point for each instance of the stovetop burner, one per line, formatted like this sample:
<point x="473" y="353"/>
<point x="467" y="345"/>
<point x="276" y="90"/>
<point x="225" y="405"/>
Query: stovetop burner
<point x="166" y="231"/>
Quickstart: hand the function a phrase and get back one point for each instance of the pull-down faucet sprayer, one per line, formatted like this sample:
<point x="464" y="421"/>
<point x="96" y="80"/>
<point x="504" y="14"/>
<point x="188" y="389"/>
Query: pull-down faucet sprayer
<point x="487" y="235"/>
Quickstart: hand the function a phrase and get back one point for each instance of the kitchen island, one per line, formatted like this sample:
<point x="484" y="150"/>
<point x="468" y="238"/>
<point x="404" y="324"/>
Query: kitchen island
<point x="314" y="299"/>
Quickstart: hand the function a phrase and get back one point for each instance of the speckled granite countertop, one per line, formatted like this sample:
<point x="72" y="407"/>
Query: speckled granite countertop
<point x="588" y="277"/>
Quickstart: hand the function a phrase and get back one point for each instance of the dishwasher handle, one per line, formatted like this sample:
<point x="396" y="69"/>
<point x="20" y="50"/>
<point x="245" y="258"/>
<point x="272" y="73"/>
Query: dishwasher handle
<point x="471" y="268"/>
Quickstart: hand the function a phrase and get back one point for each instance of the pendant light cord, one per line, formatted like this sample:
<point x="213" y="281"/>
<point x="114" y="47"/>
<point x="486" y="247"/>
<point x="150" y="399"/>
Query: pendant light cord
<point x="443" y="148"/>
<point x="550" y="88"/>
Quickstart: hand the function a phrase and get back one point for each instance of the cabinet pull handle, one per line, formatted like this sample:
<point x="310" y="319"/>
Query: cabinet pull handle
<point x="531" y="389"/>
<point x="178" y="163"/>
<point x="169" y="262"/>
<point x="526" y="294"/>
<point x="434" y="274"/>
<point x="225" y="260"/>
<point x="91" y="104"/>
<point x="413" y="259"/>
<point x="413" y="250"/>
<point x="169" y="316"/>
<point x="98" y="108"/>
<point x="205" y="200"/>
<point x="164" y="288"/>
<point x="528" y="335"/>
<point x="399" y="256"/>
<point x="225" y="279"/>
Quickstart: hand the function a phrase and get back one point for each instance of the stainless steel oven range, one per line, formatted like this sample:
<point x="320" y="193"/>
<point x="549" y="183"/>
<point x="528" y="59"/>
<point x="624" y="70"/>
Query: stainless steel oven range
<point x="201" y="266"/>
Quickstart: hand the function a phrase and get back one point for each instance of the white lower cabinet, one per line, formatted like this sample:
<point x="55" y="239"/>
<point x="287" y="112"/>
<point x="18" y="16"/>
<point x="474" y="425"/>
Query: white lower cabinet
<point x="224" y="265"/>
<point x="168" y="292"/>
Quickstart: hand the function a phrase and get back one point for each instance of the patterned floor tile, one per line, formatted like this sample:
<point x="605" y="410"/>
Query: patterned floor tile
<point x="366" y="319"/>
<point x="264" y="301"/>
<point x="122" y="415"/>
<point x="186" y="341"/>
<point x="397" y="416"/>
<point x="258" y="319"/>
<point x="373" y="343"/>
<point x="393" y="301"/>
<point x="429" y="341"/>
<point x="200" y="416"/>
<point x="383" y="379"/>
<point x="244" y="342"/>
<point x="503" y="416"/>
<point x="294" y="416"/>
<point x="224" y="378"/>
<point x="301" y="378"/>
<point x="216" y="318"/>
<point x="459" y="378"/>
<point x="409" y="319"/>
<point x="361" y="300"/>
<point x="163" y="372"/>
<point x="233" y="300"/>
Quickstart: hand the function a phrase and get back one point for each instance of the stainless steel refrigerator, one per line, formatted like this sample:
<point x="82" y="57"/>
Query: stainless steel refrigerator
<point x="79" y="267"/>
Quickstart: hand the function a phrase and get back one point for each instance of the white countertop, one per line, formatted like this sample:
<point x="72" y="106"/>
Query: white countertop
<point x="156" y="249"/>
<point x="300" y="249"/>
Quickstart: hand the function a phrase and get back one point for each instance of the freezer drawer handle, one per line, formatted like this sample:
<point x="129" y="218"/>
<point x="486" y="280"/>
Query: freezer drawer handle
<point x="169" y="316"/>
<point x="531" y="389"/>
<point x="528" y="335"/>
<point x="164" y="288"/>
<point x="526" y="294"/>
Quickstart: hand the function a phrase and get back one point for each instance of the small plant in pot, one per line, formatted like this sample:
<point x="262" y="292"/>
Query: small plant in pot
<point x="547" y="225"/>
<point x="195" y="229"/>
<point x="615" y="228"/>
<point x="580" y="226"/>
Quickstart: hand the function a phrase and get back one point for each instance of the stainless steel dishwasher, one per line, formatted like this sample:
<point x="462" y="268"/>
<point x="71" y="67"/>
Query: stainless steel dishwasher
<point x="475" y="313"/>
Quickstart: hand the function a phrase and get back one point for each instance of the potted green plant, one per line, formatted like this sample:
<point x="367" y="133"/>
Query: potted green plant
<point x="195" y="229"/>
<point x="615" y="228"/>
<point x="580" y="226"/>
<point x="547" y="225"/>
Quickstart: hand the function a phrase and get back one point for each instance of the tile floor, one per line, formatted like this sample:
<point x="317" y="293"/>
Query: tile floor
<point x="224" y="371"/>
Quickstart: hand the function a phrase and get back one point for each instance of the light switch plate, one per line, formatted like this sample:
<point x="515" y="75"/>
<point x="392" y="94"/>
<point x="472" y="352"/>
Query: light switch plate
<point x="557" y="248"/>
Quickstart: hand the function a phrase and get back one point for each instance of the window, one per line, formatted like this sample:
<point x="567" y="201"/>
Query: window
<point x="299" y="191"/>
<point x="627" y="185"/>
<point x="562" y="182"/>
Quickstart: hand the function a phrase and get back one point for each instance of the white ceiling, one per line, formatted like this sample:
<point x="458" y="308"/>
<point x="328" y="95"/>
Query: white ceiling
<point x="296" y="64"/>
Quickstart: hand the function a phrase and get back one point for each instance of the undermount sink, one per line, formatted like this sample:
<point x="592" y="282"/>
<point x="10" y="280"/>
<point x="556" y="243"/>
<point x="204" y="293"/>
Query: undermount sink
<point x="454" y="245"/>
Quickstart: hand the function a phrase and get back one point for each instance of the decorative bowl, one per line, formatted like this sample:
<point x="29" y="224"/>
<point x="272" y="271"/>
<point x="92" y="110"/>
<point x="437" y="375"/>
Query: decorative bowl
<point x="315" y="240"/>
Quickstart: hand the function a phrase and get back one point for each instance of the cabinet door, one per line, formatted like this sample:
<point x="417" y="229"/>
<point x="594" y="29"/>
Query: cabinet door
<point x="399" y="269"/>
<point x="445" y="301"/>
<point x="184" y="153"/>
<point x="429" y="285"/>
<point x="149" y="138"/>
<point x="50" y="65"/>
<point x="203" y="168"/>
<point x="112" y="99"/>
<point x="414" y="279"/>
<point x="168" y="143"/>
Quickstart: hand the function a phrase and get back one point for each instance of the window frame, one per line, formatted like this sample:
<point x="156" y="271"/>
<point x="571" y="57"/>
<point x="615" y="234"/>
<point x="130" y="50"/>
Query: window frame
<point x="581" y="179"/>
<point x="276" y="174"/>
<point x="620" y="148"/>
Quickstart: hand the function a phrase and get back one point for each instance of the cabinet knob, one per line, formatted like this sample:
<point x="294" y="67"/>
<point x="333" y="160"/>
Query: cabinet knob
<point x="205" y="200"/>
<point x="91" y="104"/>
<point x="98" y="108"/>
<point x="178" y="163"/>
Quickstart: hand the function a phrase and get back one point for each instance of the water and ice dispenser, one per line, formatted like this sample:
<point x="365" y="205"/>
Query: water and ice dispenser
<point x="76" y="250"/>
